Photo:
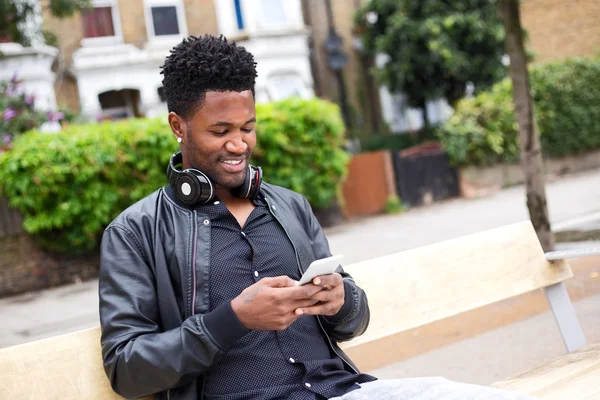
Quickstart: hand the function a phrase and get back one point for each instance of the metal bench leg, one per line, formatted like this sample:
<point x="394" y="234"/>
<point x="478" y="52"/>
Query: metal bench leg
<point x="565" y="316"/>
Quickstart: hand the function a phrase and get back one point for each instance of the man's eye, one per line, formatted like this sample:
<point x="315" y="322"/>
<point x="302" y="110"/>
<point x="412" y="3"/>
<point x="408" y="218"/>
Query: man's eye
<point x="247" y="130"/>
<point x="219" y="133"/>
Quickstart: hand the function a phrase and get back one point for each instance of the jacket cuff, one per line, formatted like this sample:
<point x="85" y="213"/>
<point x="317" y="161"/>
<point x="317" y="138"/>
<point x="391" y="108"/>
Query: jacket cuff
<point x="224" y="326"/>
<point x="347" y="308"/>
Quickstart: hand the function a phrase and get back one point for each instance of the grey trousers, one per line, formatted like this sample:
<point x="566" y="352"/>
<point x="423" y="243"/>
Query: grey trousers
<point x="428" y="389"/>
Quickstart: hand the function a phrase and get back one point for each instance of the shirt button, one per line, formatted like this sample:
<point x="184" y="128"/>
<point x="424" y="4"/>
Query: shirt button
<point x="307" y="384"/>
<point x="292" y="360"/>
<point x="217" y="202"/>
<point x="274" y="208"/>
<point x="206" y="222"/>
<point x="256" y="274"/>
<point x="243" y="234"/>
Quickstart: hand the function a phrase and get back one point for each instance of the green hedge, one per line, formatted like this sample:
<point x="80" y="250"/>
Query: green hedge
<point x="483" y="130"/>
<point x="299" y="146"/>
<point x="70" y="185"/>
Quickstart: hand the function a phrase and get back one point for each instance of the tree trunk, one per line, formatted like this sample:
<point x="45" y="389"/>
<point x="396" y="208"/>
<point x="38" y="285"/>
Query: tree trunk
<point x="529" y="138"/>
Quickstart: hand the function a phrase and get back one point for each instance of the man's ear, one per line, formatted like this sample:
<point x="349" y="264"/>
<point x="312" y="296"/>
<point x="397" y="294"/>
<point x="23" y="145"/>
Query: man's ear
<point x="178" y="125"/>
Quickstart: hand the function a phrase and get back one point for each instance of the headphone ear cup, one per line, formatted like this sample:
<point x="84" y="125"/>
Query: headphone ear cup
<point x="193" y="187"/>
<point x="251" y="186"/>
<point x="255" y="182"/>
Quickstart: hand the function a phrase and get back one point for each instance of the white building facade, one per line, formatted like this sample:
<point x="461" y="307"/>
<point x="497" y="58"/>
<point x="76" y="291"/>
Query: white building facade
<point x="121" y="80"/>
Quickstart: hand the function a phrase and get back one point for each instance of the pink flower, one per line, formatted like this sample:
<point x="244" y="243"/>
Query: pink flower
<point x="29" y="100"/>
<point x="6" y="138"/>
<point x="55" y="116"/>
<point x="8" y="114"/>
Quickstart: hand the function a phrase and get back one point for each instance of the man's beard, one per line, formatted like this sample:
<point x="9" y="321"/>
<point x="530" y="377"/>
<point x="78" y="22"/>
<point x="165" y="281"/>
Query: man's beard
<point x="210" y="167"/>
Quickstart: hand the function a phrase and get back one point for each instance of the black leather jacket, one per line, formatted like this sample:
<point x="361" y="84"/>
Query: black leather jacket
<point x="154" y="260"/>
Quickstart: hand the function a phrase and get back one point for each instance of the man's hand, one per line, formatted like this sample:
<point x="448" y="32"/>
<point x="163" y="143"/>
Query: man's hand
<point x="330" y="299"/>
<point x="270" y="304"/>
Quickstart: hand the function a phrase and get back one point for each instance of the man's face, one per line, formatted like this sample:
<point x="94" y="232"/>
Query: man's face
<point x="219" y="138"/>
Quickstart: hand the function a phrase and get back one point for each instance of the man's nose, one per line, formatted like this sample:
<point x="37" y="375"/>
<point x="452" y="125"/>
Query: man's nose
<point x="236" y="144"/>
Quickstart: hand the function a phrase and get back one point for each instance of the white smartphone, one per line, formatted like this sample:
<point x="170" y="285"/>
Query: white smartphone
<point x="324" y="266"/>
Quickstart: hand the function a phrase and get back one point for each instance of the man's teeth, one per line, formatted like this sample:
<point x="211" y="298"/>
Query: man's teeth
<point x="232" y="162"/>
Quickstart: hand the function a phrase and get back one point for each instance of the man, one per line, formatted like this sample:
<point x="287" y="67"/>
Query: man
<point x="197" y="283"/>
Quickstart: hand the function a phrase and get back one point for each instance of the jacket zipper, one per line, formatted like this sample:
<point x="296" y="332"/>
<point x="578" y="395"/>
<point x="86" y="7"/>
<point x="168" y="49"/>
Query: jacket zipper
<point x="301" y="272"/>
<point x="192" y="311"/>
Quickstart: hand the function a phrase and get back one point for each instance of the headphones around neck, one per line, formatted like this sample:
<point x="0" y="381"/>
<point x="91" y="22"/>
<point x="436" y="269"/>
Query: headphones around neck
<point x="193" y="187"/>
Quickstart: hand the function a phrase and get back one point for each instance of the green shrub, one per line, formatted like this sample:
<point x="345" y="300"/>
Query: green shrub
<point x="396" y="142"/>
<point x="299" y="146"/>
<point x="70" y="185"/>
<point x="393" y="205"/>
<point x="484" y="131"/>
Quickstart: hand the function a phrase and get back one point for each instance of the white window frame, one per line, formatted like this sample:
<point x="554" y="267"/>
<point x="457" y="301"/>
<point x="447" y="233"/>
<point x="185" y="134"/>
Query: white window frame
<point x="290" y="10"/>
<point x="116" y="17"/>
<point x="181" y="21"/>
<point x="272" y="87"/>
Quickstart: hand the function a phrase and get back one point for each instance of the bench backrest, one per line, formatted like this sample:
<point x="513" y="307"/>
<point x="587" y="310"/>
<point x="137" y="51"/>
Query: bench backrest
<point x="405" y="290"/>
<point x="416" y="287"/>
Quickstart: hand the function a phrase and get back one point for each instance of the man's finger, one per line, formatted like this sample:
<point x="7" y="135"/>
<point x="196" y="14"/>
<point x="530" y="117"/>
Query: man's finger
<point x="278" y="282"/>
<point x="305" y="303"/>
<point x="329" y="281"/>
<point x="325" y="296"/>
<point x="319" y="309"/>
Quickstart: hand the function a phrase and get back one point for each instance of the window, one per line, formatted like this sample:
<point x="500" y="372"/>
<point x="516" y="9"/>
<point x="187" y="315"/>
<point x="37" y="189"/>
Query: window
<point x="101" y="24"/>
<point x="165" y="19"/>
<point x="161" y="94"/>
<point x="273" y="13"/>
<point x="98" y="22"/>
<point x="286" y="85"/>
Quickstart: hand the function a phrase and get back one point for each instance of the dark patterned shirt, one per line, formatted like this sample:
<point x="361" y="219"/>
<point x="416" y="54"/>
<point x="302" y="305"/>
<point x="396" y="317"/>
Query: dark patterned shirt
<point x="295" y="363"/>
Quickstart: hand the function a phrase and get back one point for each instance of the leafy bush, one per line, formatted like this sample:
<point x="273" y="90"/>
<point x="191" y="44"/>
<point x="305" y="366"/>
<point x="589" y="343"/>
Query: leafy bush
<point x="70" y="185"/>
<point x="484" y="131"/>
<point x="397" y="142"/>
<point x="300" y="147"/>
<point x="393" y="205"/>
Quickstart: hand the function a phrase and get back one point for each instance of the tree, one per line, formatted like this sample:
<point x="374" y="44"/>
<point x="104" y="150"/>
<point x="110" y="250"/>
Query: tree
<point x="434" y="47"/>
<point x="18" y="18"/>
<point x="529" y="138"/>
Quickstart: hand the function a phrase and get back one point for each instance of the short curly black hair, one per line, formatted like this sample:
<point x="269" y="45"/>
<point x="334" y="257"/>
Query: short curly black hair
<point x="201" y="64"/>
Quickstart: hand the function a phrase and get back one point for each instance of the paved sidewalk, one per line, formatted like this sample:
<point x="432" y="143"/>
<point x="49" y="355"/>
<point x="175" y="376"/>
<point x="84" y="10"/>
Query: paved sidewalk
<point x="569" y="198"/>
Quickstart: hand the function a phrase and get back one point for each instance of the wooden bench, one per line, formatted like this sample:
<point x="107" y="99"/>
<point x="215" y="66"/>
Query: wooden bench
<point x="406" y="290"/>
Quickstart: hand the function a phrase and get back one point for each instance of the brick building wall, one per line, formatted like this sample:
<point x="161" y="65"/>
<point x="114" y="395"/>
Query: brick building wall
<point x="201" y="17"/>
<point x="559" y="29"/>
<point x="133" y="22"/>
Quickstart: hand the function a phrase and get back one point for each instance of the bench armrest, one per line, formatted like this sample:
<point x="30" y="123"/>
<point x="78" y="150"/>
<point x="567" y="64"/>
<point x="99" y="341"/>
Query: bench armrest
<point x="573" y="253"/>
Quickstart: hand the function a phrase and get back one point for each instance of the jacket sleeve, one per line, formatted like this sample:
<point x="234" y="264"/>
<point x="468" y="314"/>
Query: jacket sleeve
<point x="139" y="358"/>
<point x="352" y="319"/>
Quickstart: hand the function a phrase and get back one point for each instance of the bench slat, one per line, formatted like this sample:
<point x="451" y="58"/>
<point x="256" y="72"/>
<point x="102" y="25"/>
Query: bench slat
<point x="573" y="376"/>
<point x="416" y="287"/>
<point x="63" y="367"/>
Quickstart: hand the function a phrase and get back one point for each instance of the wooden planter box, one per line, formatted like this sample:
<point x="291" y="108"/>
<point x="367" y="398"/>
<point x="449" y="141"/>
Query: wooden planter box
<point x="369" y="184"/>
